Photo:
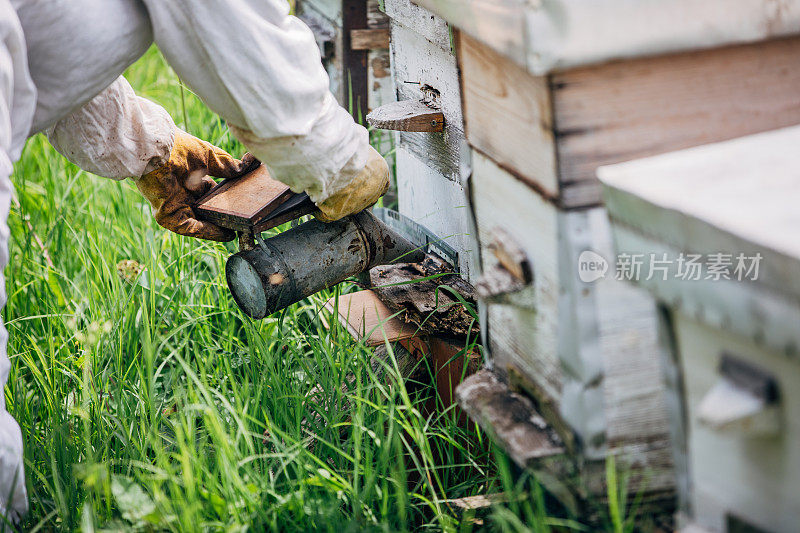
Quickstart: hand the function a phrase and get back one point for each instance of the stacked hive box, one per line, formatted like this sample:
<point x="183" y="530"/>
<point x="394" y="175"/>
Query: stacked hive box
<point x="728" y="258"/>
<point x="550" y="92"/>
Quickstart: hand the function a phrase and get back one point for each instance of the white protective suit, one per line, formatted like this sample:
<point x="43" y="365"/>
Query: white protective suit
<point x="258" y="67"/>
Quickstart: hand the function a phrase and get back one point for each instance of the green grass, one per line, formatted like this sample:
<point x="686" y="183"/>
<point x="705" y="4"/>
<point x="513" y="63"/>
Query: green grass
<point x="152" y="403"/>
<point x="158" y="404"/>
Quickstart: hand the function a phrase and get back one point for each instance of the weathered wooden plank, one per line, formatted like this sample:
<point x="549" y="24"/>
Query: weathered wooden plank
<point x="511" y="419"/>
<point x="407" y="115"/>
<point x="419" y="293"/>
<point x="507" y="114"/>
<point x="369" y="39"/>
<point x="438" y="150"/>
<point x="620" y="111"/>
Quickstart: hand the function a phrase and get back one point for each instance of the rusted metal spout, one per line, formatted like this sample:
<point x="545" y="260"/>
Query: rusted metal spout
<point x="311" y="257"/>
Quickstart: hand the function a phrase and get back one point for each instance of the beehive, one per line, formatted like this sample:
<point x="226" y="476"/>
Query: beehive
<point x="550" y="92"/>
<point x="533" y="98"/>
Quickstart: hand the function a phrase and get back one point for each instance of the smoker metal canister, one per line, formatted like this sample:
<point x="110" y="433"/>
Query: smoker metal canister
<point x="308" y="258"/>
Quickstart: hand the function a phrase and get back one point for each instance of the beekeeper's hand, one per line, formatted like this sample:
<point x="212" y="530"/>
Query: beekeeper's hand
<point x="173" y="187"/>
<point x="362" y="192"/>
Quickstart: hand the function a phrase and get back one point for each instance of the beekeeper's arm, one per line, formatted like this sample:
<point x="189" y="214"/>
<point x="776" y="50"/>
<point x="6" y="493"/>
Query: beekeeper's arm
<point x="119" y="135"/>
<point x="260" y="69"/>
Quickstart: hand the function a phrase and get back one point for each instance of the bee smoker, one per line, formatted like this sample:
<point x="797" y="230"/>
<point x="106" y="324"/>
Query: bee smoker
<point x="284" y="269"/>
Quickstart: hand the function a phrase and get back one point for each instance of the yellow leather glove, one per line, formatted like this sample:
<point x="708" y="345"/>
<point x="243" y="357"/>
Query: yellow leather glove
<point x="173" y="187"/>
<point x="365" y="189"/>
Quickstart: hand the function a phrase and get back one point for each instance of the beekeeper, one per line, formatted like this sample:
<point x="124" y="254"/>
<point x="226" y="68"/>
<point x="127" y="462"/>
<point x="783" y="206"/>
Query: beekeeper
<point x="60" y="73"/>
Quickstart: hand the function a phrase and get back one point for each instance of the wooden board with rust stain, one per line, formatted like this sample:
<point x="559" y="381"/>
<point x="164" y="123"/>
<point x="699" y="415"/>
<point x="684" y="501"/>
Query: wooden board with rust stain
<point x="367" y="318"/>
<point x="244" y="203"/>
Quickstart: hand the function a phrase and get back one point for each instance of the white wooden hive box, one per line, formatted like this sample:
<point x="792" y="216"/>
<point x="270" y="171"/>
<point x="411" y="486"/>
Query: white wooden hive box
<point x="730" y="345"/>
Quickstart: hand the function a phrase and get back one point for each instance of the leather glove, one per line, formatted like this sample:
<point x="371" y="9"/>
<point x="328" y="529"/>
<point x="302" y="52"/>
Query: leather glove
<point x="173" y="187"/>
<point x="362" y="192"/>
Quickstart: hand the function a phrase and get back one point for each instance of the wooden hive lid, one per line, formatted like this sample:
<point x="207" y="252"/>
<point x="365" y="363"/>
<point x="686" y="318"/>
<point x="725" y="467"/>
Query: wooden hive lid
<point x="734" y="197"/>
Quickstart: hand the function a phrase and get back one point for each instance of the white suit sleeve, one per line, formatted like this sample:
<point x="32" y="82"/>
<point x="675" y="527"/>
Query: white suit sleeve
<point x="17" y="102"/>
<point x="260" y="69"/>
<point x="117" y="134"/>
